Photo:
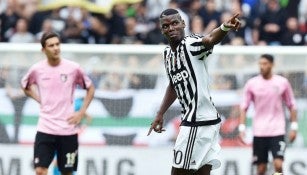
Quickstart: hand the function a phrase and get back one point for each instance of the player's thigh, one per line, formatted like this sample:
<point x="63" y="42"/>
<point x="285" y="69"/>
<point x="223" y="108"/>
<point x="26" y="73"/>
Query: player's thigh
<point x="204" y="170"/>
<point x="196" y="146"/>
<point x="278" y="147"/>
<point x="180" y="171"/>
<point x="44" y="149"/>
<point x="67" y="153"/>
<point x="260" y="150"/>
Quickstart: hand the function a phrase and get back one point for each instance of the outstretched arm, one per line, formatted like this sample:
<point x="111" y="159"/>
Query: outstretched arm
<point x="168" y="100"/>
<point x="219" y="33"/>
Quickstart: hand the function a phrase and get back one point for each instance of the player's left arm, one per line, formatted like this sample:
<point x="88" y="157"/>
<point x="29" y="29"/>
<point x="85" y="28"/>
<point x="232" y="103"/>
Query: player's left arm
<point x="77" y="117"/>
<point x="29" y="85"/>
<point x="247" y="99"/>
<point x="217" y="35"/>
<point x="87" y="99"/>
<point x="289" y="99"/>
<point x="293" y="125"/>
<point x="31" y="91"/>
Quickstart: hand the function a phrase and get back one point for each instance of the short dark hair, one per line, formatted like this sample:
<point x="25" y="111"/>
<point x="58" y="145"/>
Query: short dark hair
<point x="46" y="36"/>
<point x="269" y="57"/>
<point x="168" y="12"/>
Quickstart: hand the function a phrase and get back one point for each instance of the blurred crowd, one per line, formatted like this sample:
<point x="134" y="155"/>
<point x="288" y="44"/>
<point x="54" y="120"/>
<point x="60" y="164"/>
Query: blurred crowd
<point x="264" y="22"/>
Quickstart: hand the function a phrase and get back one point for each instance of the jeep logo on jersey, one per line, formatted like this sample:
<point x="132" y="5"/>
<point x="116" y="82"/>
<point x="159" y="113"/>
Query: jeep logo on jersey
<point x="179" y="76"/>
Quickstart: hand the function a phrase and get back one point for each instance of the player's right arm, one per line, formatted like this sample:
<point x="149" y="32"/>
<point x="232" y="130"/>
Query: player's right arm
<point x="168" y="99"/>
<point x="242" y="126"/>
<point x="30" y="91"/>
<point x="27" y="85"/>
<point x="217" y="35"/>
<point x="289" y="100"/>
<point x="247" y="97"/>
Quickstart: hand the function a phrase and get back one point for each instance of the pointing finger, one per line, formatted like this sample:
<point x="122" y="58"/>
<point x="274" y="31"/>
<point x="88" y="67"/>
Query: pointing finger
<point x="150" y="129"/>
<point x="235" y="16"/>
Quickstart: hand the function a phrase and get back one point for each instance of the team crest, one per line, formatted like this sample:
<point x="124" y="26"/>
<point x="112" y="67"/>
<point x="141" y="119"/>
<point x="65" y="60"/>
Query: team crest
<point x="63" y="77"/>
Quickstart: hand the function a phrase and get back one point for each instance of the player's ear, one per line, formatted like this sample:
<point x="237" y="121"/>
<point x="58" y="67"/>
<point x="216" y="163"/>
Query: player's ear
<point x="183" y="23"/>
<point x="162" y="31"/>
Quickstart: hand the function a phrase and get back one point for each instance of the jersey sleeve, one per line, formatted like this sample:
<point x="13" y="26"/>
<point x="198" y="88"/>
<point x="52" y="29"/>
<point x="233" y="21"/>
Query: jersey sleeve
<point x="197" y="49"/>
<point x="28" y="79"/>
<point x="82" y="79"/>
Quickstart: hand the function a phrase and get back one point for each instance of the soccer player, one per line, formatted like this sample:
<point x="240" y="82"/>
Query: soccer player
<point x="196" y="147"/>
<point x="268" y="92"/>
<point x="55" y="80"/>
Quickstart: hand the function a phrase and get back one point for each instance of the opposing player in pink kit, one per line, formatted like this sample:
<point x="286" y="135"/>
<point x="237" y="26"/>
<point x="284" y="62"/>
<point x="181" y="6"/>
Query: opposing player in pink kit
<point x="268" y="92"/>
<point x="55" y="80"/>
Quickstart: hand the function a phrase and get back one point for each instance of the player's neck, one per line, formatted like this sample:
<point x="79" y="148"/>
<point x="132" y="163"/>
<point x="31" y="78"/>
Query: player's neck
<point x="174" y="44"/>
<point x="54" y="62"/>
<point x="267" y="76"/>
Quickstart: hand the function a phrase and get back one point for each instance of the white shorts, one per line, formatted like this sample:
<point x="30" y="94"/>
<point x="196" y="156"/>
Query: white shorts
<point x="196" y="147"/>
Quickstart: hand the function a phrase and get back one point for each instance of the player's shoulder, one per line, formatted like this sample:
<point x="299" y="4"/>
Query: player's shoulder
<point x="277" y="76"/>
<point x="280" y="78"/>
<point x="254" y="80"/>
<point x="167" y="50"/>
<point x="192" y="38"/>
<point x="39" y="64"/>
<point x="70" y="63"/>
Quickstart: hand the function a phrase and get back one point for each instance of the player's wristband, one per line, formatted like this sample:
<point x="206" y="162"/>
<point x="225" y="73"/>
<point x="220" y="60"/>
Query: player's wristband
<point x="242" y="128"/>
<point x="294" y="126"/>
<point x="224" y="28"/>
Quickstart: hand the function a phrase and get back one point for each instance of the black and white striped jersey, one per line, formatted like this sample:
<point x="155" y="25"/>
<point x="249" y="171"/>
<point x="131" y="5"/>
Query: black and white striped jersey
<point x="187" y="71"/>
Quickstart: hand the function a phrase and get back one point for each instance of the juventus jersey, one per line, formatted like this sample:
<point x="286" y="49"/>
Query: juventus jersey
<point x="187" y="71"/>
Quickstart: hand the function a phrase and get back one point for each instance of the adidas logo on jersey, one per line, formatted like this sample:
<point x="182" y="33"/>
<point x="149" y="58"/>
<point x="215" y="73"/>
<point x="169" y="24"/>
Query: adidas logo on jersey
<point x="179" y="76"/>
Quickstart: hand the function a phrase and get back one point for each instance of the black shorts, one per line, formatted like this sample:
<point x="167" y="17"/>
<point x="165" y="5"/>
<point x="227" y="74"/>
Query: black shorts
<point x="65" y="148"/>
<point x="263" y="145"/>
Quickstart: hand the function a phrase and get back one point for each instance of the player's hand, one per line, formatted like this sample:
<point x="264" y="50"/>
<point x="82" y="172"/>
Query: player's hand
<point x="233" y="23"/>
<point x="242" y="137"/>
<point x="75" y="118"/>
<point x="292" y="136"/>
<point x="157" y="125"/>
